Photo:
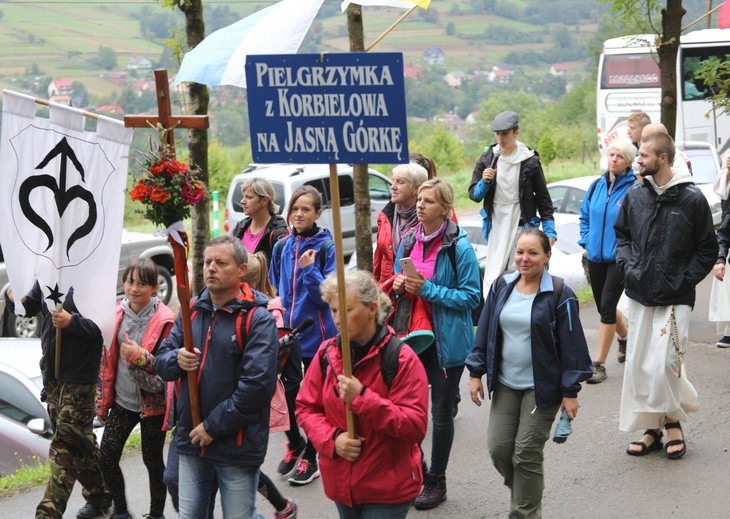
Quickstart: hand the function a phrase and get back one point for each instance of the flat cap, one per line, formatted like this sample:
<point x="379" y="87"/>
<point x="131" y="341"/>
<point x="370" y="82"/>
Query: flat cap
<point x="505" y="121"/>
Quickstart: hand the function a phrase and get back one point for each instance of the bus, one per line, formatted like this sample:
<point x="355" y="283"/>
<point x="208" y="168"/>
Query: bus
<point x="629" y="80"/>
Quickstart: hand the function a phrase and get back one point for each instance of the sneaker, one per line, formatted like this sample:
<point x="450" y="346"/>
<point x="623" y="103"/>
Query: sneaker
<point x="724" y="342"/>
<point x="433" y="493"/>
<point x="288" y="464"/>
<point x="89" y="511"/>
<point x="599" y="374"/>
<point x="621" y="353"/>
<point x="306" y="472"/>
<point x="290" y="512"/>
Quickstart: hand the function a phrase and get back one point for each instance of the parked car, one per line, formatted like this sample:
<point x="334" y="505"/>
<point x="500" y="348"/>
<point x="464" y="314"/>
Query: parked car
<point x="25" y="428"/>
<point x="288" y="177"/>
<point x="134" y="245"/>
<point x="704" y="164"/>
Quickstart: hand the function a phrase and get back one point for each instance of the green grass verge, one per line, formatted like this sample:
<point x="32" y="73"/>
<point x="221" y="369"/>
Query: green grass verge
<point x="36" y="473"/>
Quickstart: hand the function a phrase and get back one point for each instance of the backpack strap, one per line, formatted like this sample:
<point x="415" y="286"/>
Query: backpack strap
<point x="241" y="331"/>
<point x="592" y="189"/>
<point x="388" y="360"/>
<point x="558" y="283"/>
<point x="276" y="252"/>
<point x="322" y="256"/>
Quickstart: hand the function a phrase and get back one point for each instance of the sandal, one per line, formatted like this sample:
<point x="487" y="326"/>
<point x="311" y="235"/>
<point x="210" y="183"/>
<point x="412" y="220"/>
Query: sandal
<point x="676" y="454"/>
<point x="646" y="449"/>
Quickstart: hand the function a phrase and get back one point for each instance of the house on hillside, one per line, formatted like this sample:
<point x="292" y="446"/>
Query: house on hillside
<point x="454" y="123"/>
<point x="142" y="85"/>
<point x="110" y="109"/>
<point x="500" y="74"/>
<point x="138" y="64"/>
<point x="559" y="69"/>
<point x="454" y="79"/>
<point x="434" y="56"/>
<point x="60" y="91"/>
<point x="412" y="70"/>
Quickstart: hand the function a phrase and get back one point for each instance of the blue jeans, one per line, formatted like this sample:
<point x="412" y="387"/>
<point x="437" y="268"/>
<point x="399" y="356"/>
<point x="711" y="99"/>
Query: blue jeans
<point x="374" y="511"/>
<point x="237" y="486"/>
<point x="444" y="388"/>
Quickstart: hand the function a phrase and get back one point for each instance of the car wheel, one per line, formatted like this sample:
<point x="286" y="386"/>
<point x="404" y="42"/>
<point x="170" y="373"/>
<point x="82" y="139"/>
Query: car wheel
<point x="164" y="284"/>
<point x="25" y="327"/>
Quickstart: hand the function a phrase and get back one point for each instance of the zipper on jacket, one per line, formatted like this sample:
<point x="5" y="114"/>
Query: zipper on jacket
<point x="239" y="437"/>
<point x="294" y="278"/>
<point x="603" y="223"/>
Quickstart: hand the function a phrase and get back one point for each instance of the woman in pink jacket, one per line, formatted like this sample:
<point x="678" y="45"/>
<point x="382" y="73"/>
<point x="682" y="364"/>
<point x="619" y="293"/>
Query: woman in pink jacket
<point x="379" y="471"/>
<point x="129" y="390"/>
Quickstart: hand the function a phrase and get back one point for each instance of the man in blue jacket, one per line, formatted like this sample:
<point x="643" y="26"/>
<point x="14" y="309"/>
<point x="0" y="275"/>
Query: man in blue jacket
<point x="235" y="358"/>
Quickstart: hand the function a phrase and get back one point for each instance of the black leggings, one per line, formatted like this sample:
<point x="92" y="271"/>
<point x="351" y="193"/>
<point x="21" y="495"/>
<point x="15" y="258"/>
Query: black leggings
<point x="607" y="285"/>
<point x="119" y="426"/>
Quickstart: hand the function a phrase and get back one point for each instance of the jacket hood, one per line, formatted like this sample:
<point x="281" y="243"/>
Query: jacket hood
<point x="675" y="181"/>
<point x="521" y="154"/>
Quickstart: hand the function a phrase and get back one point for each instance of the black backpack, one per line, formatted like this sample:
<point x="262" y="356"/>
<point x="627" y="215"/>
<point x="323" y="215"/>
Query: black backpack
<point x="388" y="360"/>
<point x="476" y="312"/>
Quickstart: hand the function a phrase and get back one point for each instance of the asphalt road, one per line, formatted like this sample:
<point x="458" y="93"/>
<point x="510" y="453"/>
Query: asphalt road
<point x="588" y="476"/>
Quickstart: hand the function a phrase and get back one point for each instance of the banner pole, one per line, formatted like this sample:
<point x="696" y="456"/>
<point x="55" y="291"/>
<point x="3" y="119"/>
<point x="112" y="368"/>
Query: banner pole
<point x="395" y="24"/>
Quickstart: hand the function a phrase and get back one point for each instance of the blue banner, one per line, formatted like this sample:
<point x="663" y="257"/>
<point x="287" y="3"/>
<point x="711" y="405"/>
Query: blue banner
<point x="327" y="109"/>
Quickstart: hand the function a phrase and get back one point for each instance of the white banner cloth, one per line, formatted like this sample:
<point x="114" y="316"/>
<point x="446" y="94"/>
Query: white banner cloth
<point x="62" y="205"/>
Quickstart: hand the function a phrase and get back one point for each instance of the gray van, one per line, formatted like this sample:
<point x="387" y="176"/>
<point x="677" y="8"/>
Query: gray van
<point x="288" y="177"/>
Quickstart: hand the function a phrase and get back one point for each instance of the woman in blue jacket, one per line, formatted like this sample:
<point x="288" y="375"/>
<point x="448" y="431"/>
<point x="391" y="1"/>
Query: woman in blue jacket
<point x="436" y="245"/>
<point x="531" y="346"/>
<point x="597" y="215"/>
<point x="298" y="267"/>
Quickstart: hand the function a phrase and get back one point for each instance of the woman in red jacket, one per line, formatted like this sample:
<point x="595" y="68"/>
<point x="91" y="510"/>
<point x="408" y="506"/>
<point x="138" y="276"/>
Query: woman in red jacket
<point x="379" y="471"/>
<point x="127" y="396"/>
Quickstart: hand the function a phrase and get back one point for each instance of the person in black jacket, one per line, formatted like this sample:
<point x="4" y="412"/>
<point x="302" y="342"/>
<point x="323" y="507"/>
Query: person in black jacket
<point x="74" y="454"/>
<point x="666" y="245"/>
<point x="509" y="181"/>
<point x="262" y="227"/>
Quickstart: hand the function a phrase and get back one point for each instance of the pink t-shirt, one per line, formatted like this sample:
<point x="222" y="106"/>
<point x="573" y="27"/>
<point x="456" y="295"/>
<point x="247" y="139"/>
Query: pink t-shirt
<point x="251" y="241"/>
<point x="425" y="265"/>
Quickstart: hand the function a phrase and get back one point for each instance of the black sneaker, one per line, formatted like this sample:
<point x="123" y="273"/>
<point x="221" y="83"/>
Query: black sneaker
<point x="288" y="464"/>
<point x="433" y="493"/>
<point x="89" y="511"/>
<point x="307" y="471"/>
<point x="724" y="342"/>
<point x="599" y="374"/>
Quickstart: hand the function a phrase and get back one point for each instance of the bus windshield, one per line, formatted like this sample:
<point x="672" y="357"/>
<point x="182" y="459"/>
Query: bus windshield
<point x="630" y="71"/>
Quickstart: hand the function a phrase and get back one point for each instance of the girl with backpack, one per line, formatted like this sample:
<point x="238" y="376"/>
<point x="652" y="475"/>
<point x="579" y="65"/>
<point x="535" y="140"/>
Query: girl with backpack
<point x="129" y="390"/>
<point x="299" y="264"/>
<point x="377" y="473"/>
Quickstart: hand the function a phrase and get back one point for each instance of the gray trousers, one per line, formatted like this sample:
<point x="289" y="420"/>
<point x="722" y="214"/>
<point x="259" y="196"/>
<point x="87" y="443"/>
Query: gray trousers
<point x="516" y="438"/>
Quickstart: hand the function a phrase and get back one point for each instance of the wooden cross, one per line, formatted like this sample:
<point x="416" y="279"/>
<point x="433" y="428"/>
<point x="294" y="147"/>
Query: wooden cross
<point x="165" y="120"/>
<point x="167" y="123"/>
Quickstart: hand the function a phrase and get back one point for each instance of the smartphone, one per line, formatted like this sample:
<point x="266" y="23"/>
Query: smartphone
<point x="409" y="269"/>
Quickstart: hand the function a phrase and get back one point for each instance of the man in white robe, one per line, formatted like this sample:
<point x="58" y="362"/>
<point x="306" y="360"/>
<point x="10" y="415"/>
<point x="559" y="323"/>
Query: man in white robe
<point x="666" y="245"/>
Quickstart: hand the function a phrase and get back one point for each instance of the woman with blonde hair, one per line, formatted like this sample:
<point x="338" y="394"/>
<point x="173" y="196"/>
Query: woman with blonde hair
<point x="436" y="245"/>
<point x="262" y="227"/>
<point x="377" y="473"/>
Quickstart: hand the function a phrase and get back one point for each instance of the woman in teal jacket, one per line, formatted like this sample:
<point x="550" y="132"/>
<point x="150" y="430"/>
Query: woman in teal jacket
<point x="598" y="213"/>
<point x="437" y="245"/>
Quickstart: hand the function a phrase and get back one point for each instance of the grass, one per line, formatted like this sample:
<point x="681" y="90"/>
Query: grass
<point x="37" y="472"/>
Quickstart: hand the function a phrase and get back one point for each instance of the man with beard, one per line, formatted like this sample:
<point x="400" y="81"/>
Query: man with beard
<point x="666" y="245"/>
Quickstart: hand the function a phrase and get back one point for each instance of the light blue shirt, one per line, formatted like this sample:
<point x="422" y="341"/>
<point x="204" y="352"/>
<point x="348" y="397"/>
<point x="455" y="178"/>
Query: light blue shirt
<point x="515" y="369"/>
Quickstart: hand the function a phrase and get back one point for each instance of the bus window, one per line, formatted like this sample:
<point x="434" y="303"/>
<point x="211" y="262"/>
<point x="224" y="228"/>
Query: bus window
<point x="630" y="71"/>
<point x="692" y="58"/>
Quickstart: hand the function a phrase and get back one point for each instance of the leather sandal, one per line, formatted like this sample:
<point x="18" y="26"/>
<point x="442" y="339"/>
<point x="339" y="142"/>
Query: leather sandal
<point x="646" y="449"/>
<point x="676" y="454"/>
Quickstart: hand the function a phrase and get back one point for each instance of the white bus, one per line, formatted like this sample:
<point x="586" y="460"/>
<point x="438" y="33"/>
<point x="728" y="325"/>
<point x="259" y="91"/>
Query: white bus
<point x="629" y="79"/>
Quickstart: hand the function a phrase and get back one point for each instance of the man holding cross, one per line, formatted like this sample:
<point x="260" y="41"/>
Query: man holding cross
<point x="236" y="363"/>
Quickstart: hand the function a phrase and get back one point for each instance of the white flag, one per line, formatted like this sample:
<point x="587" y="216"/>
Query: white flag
<point x="403" y="4"/>
<point x="62" y="205"/>
<point x="220" y="58"/>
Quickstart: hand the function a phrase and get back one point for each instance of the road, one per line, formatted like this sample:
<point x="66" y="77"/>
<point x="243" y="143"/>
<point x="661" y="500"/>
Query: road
<point x="588" y="476"/>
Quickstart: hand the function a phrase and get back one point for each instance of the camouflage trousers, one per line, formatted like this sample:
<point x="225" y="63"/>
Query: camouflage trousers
<point x="73" y="454"/>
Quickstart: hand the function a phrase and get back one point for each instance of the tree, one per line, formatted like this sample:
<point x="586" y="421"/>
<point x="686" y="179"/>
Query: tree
<point x="671" y="13"/>
<point x="80" y="96"/>
<point x="715" y="74"/>
<point x="198" y="99"/>
<point x="363" y="225"/>
<point x="107" y="58"/>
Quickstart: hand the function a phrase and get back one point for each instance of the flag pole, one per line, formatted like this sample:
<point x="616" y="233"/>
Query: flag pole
<point x="395" y="24"/>
<point x="57" y="358"/>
